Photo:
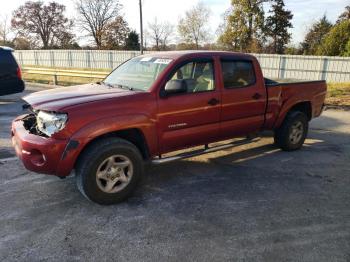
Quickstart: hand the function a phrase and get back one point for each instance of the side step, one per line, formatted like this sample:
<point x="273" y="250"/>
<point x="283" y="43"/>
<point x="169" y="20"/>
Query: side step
<point x="206" y="150"/>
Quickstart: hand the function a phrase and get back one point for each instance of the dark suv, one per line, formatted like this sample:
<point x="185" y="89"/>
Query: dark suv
<point x="10" y="73"/>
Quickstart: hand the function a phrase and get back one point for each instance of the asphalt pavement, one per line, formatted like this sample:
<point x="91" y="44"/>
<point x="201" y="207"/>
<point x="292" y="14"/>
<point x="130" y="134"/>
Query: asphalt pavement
<point x="249" y="203"/>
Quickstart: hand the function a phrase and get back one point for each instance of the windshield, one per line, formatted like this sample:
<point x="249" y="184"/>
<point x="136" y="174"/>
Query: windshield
<point x="138" y="73"/>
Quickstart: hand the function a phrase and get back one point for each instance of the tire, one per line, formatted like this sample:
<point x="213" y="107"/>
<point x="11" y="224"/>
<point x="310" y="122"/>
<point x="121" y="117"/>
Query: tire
<point x="108" y="161"/>
<point x="293" y="131"/>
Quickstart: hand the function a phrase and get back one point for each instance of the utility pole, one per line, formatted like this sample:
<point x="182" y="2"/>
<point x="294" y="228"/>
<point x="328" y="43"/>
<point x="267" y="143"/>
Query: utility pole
<point x="141" y="27"/>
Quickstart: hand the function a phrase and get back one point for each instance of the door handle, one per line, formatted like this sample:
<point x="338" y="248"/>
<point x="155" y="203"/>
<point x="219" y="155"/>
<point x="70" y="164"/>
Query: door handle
<point x="256" y="96"/>
<point x="213" y="102"/>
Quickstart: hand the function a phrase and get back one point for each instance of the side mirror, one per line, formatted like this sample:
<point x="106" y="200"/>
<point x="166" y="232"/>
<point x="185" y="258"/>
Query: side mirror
<point x="175" y="87"/>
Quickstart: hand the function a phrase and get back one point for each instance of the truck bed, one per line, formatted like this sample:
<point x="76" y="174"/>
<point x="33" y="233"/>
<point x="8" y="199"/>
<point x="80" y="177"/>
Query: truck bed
<point x="288" y="81"/>
<point x="284" y="93"/>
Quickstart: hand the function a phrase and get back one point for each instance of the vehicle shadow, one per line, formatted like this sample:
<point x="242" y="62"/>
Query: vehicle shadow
<point x="259" y="163"/>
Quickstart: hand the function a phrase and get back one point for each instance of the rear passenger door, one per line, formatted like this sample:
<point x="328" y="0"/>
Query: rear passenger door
<point x="243" y="98"/>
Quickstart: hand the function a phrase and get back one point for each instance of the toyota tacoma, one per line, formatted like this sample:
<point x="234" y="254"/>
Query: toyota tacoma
<point x="153" y="105"/>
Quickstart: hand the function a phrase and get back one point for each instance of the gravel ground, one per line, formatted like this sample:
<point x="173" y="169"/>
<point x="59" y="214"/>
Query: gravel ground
<point x="250" y="203"/>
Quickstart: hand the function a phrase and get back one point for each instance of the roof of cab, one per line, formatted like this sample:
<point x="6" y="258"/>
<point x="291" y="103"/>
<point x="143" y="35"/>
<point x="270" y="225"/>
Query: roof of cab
<point x="191" y="53"/>
<point x="6" y="48"/>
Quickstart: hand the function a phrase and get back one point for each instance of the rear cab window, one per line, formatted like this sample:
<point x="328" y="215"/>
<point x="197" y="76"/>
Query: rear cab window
<point x="237" y="73"/>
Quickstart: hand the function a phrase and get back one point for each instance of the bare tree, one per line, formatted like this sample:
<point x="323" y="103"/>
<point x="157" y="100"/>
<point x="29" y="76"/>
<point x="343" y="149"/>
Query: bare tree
<point x="193" y="27"/>
<point x="95" y="16"/>
<point x="35" y="20"/>
<point x="4" y="30"/>
<point x="168" y="30"/>
<point x="160" y="32"/>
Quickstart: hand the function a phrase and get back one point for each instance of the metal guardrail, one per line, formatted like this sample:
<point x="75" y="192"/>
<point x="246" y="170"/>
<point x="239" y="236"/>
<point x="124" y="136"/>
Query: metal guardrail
<point x="54" y="72"/>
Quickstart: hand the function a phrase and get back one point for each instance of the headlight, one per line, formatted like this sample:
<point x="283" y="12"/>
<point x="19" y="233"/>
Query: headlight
<point x="50" y="123"/>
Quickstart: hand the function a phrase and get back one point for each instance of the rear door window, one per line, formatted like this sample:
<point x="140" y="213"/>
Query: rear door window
<point x="237" y="74"/>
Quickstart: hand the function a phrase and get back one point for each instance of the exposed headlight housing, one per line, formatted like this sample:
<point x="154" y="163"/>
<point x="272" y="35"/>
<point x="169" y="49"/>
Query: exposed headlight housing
<point x="50" y="123"/>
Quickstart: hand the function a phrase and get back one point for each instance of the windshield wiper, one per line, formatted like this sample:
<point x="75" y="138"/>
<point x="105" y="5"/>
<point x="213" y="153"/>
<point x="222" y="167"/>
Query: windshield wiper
<point x="119" y="86"/>
<point x="106" y="84"/>
<point x="125" y="87"/>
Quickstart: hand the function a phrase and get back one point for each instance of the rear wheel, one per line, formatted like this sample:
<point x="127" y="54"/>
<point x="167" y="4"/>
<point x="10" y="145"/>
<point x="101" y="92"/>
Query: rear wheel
<point x="293" y="131"/>
<point x="109" y="170"/>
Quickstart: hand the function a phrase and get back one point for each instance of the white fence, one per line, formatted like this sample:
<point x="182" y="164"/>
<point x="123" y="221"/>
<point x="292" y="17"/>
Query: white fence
<point x="94" y="59"/>
<point x="332" y="69"/>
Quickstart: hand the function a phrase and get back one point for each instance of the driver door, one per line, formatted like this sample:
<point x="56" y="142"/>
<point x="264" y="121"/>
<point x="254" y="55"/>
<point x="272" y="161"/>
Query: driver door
<point x="190" y="118"/>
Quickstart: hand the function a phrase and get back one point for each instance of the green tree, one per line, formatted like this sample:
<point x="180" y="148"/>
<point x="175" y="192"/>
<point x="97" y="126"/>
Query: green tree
<point x="277" y="25"/>
<point x="234" y="31"/>
<point x="133" y="41"/>
<point x="292" y="50"/>
<point x="336" y="41"/>
<point x="243" y="27"/>
<point x="315" y="36"/>
<point x="193" y="27"/>
<point x="347" y="49"/>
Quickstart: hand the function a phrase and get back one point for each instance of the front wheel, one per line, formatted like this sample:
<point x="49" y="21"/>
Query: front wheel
<point x="109" y="170"/>
<point x="293" y="131"/>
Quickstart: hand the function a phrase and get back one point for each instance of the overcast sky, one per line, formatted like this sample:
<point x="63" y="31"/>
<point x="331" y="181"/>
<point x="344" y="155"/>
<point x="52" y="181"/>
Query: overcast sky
<point x="305" y="11"/>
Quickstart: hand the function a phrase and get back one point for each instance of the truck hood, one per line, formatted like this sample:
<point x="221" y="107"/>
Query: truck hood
<point x="60" y="98"/>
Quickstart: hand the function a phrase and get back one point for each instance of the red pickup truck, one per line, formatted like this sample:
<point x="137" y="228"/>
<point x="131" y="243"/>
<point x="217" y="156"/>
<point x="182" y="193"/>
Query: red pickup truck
<point x="155" y="104"/>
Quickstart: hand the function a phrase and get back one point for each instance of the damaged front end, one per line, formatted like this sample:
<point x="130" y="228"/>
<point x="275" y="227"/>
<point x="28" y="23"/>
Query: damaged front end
<point x="43" y="123"/>
<point x="30" y="124"/>
<point x="30" y="120"/>
<point x="37" y="147"/>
